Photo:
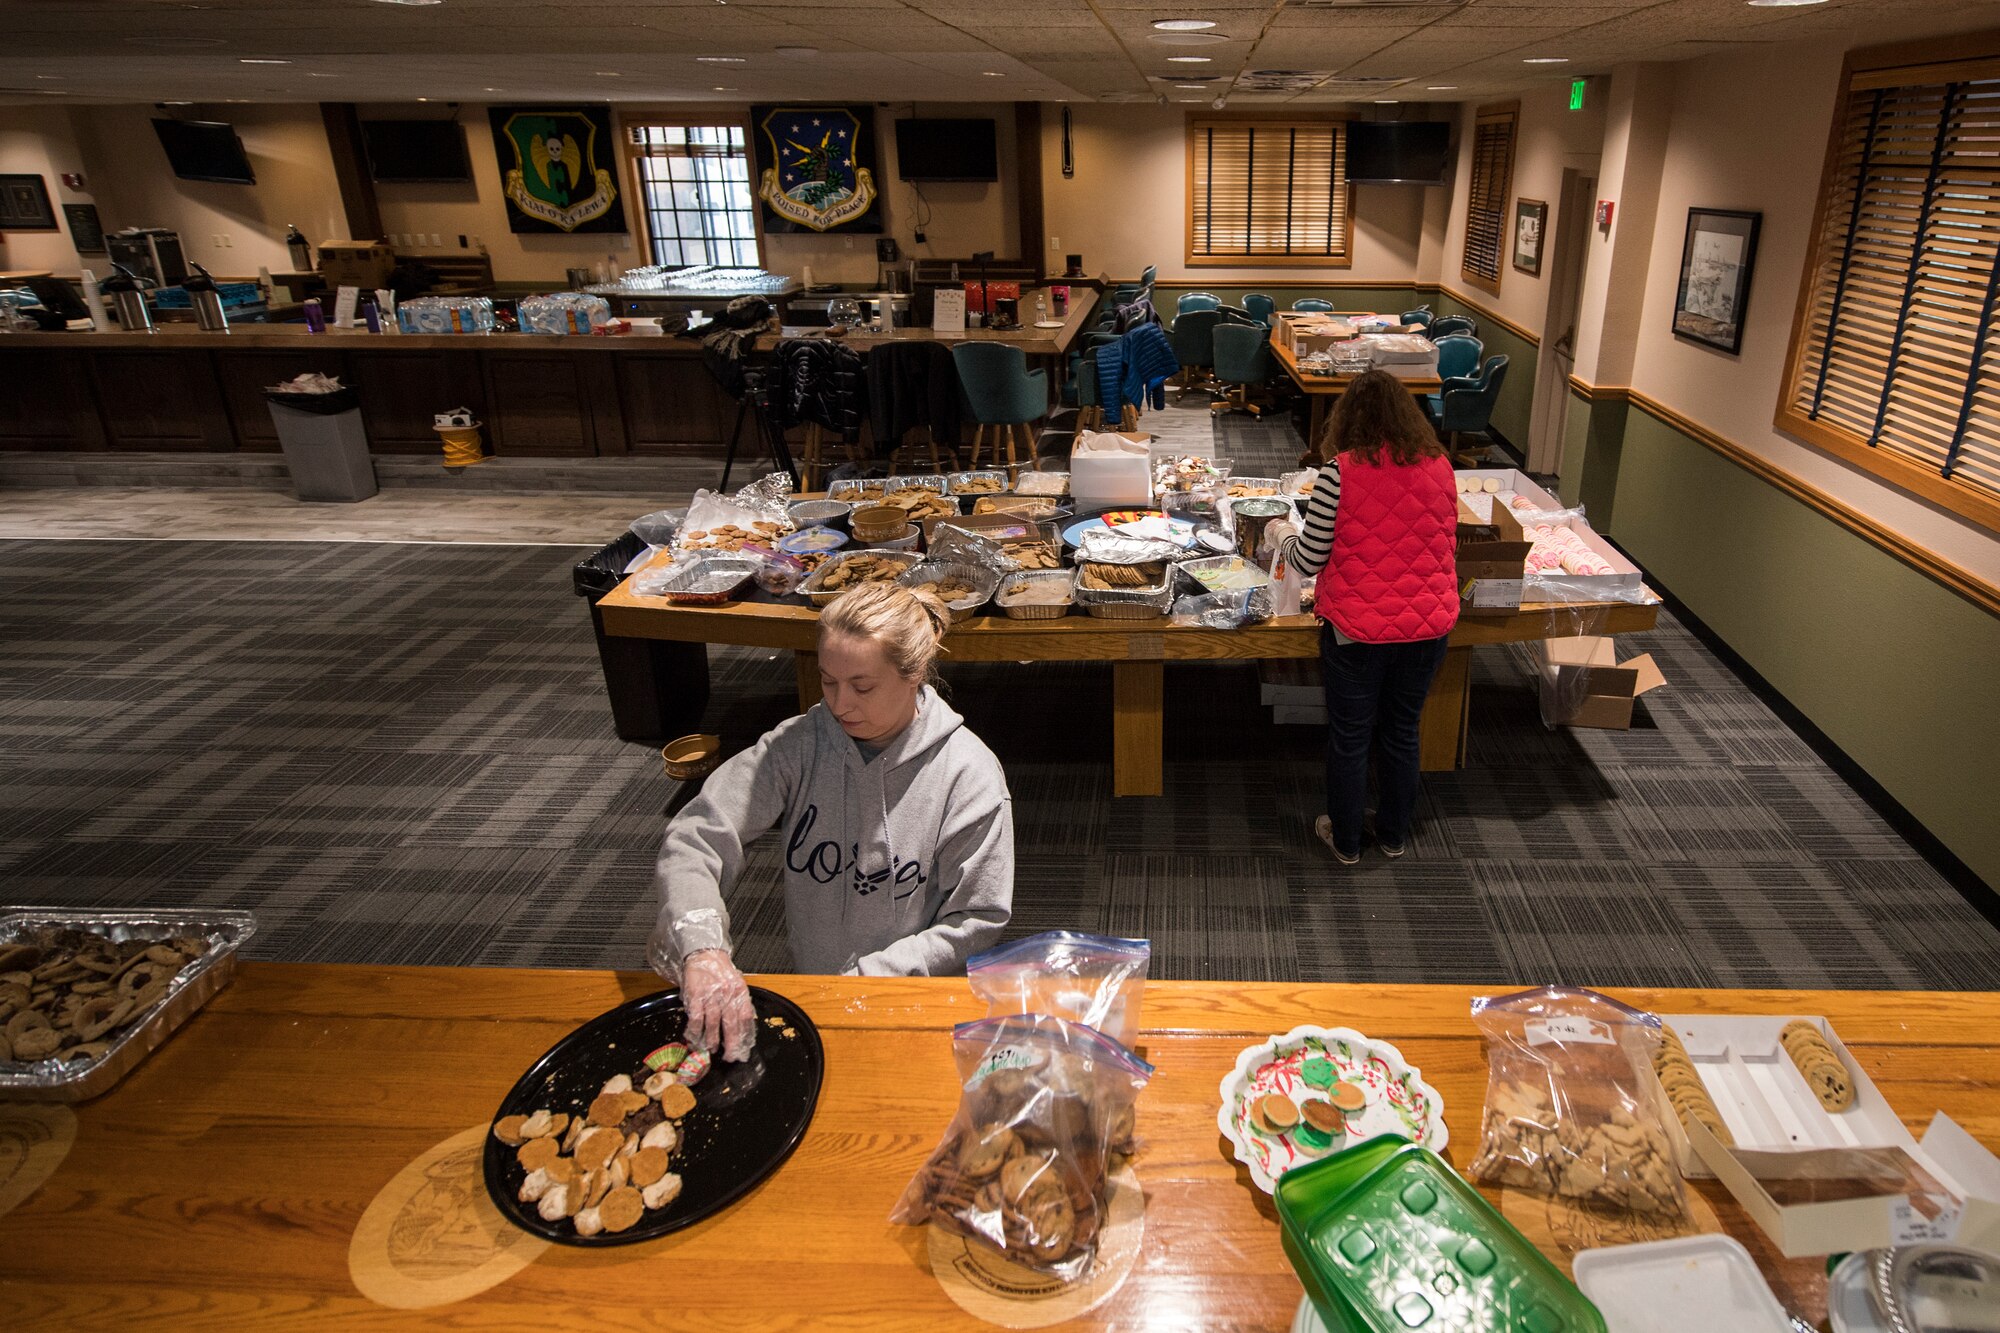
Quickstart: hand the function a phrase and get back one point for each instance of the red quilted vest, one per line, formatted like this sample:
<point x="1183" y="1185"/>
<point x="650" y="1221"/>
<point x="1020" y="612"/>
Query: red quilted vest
<point x="1393" y="574"/>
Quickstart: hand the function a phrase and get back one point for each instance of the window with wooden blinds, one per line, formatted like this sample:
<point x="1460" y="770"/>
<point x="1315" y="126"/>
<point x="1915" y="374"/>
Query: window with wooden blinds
<point x="1486" y="199"/>
<point x="1892" y="362"/>
<point x="1268" y="193"/>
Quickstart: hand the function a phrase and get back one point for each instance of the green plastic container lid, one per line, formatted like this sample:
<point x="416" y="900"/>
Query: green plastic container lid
<point x="1387" y="1238"/>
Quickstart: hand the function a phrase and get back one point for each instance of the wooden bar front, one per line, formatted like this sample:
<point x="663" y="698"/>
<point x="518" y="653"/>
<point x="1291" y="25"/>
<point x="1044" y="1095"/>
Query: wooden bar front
<point x="220" y="1185"/>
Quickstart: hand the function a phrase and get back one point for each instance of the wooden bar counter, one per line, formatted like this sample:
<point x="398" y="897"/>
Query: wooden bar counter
<point x="220" y="1186"/>
<point x="178" y="388"/>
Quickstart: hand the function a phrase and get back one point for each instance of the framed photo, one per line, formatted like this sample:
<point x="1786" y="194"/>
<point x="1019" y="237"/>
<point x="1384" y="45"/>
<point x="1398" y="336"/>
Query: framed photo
<point x="1716" y="262"/>
<point x="24" y="204"/>
<point x="816" y="168"/>
<point x="1531" y="225"/>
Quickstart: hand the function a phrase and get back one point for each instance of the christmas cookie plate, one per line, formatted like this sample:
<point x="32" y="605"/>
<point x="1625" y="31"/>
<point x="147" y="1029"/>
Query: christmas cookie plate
<point x="1296" y="1098"/>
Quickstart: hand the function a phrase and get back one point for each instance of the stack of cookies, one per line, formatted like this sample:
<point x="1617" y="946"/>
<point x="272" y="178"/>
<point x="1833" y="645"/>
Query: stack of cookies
<point x="1814" y="1055"/>
<point x="606" y="1168"/>
<point x="1685" y="1089"/>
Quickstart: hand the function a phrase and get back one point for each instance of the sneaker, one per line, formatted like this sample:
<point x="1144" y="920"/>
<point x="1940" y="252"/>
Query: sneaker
<point x="1392" y="850"/>
<point x="1323" y="830"/>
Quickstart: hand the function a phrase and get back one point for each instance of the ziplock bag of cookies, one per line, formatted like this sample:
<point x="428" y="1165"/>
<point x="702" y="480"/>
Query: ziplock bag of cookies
<point x="1094" y="979"/>
<point x="1024" y="1167"/>
<point x="1567" y="1110"/>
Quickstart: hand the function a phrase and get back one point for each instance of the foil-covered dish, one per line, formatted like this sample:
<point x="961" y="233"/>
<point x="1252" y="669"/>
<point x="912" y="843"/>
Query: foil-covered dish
<point x="85" y="996"/>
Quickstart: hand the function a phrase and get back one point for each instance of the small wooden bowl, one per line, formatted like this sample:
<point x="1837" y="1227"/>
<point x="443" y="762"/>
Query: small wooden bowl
<point x="691" y="757"/>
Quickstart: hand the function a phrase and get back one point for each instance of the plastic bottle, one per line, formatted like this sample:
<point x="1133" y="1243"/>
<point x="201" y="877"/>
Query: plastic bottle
<point x="295" y="241"/>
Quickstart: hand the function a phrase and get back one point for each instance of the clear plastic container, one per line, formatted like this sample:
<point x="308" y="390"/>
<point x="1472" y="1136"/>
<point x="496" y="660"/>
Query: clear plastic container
<point x="563" y="312"/>
<point x="1389" y="1239"/>
<point x="445" y="314"/>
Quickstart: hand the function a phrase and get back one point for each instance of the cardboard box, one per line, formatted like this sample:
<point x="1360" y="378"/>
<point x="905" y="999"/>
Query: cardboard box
<point x="1585" y="670"/>
<point x="1492" y="561"/>
<point x="1784" y="1135"/>
<point x="1102" y="477"/>
<point x="1300" y="715"/>
<point x="1305" y="332"/>
<point x="1621" y="584"/>
<point x="364" y="264"/>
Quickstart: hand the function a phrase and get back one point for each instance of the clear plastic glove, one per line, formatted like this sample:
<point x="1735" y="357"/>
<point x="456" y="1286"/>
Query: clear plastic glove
<point x="718" y="1004"/>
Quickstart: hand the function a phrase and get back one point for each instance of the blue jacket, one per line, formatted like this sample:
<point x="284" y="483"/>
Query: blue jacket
<point x="1139" y="364"/>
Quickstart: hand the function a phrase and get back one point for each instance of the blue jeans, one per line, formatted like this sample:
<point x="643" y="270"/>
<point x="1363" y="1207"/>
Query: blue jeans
<point x="1374" y="696"/>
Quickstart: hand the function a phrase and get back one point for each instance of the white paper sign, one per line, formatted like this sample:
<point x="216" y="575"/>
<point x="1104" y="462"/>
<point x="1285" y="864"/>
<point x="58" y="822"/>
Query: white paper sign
<point x="1568" y="1031"/>
<point x="344" y="302"/>
<point x="948" y="312"/>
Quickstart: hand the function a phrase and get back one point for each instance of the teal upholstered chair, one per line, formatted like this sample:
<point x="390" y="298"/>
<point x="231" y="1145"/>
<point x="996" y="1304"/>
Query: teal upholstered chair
<point x="1193" y="337"/>
<point x="1466" y="403"/>
<point x="1196" y="301"/>
<point x="1236" y="314"/>
<point x="1261" y="306"/>
<point x="1447" y="325"/>
<point x="1003" y="392"/>
<point x="1242" y="361"/>
<point x="1458" y="358"/>
<point x="1311" y="303"/>
<point x="1421" y="316"/>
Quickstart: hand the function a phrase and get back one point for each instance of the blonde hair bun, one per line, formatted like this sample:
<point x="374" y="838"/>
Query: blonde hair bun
<point x="909" y="624"/>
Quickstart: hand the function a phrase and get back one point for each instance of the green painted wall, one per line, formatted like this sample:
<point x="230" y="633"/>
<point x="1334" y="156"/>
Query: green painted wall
<point x="1593" y="437"/>
<point x="1892" y="666"/>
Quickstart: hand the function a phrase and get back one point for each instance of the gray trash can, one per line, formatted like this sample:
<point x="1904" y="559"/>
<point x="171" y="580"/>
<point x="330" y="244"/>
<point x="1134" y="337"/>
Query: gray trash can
<point x="327" y="453"/>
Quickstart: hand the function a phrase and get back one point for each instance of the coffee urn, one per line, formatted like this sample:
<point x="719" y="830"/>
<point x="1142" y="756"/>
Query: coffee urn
<point x="128" y="299"/>
<point x="207" y="301"/>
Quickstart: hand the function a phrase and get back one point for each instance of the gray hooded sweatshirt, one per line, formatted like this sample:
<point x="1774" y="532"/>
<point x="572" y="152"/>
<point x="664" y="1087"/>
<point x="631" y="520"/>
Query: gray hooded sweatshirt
<point x="900" y="865"/>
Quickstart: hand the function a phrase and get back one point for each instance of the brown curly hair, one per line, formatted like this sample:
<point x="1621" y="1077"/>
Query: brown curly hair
<point x="1378" y="414"/>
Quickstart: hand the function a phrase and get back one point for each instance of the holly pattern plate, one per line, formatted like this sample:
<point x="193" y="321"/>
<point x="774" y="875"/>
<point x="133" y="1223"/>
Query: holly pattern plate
<point x="1312" y="1061"/>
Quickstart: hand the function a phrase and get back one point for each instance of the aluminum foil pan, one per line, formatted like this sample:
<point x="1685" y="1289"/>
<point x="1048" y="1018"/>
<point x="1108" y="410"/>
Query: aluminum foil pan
<point x="45" y="1080"/>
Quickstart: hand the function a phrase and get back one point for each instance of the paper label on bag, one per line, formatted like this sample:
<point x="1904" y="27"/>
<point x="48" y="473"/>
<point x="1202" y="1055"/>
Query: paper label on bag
<point x="1932" y="1221"/>
<point x="1568" y="1032"/>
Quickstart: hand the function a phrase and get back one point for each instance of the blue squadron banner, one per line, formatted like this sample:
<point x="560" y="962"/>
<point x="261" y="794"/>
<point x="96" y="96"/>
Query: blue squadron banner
<point x="558" y="168"/>
<point x="816" y="168"/>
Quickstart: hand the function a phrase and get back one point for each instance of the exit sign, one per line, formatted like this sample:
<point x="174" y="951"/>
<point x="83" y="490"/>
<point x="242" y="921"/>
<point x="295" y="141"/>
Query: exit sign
<point x="1576" y="91"/>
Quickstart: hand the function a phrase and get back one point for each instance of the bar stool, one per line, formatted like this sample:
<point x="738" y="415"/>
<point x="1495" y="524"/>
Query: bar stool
<point x="1003" y="392"/>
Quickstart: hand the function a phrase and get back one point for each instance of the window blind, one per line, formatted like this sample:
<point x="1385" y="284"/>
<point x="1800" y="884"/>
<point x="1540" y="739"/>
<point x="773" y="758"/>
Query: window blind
<point x="1893" y="350"/>
<point x="1486" y="199"/>
<point x="1268" y="192"/>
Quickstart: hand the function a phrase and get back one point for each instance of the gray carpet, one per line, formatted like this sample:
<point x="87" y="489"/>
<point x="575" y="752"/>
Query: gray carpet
<point x="402" y="754"/>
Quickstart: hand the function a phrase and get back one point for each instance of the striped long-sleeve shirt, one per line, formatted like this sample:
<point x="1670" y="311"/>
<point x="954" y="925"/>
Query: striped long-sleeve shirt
<point x="1308" y="552"/>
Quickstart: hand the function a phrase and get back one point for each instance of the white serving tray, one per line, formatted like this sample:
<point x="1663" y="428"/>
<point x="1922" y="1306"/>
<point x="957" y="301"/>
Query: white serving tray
<point x="1707" y="1282"/>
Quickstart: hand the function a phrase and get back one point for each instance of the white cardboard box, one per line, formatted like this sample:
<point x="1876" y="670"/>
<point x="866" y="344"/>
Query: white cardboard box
<point x="1785" y="1138"/>
<point x="1109" y="468"/>
<point x="1620" y="584"/>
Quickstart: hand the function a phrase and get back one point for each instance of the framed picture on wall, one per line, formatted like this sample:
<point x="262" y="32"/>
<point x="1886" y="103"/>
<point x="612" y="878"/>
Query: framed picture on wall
<point x="558" y="169"/>
<point x="24" y="204"/>
<point x="1716" y="262"/>
<point x="1531" y="225"/>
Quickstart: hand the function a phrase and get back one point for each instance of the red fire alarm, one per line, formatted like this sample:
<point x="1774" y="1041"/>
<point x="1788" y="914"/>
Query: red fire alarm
<point x="73" y="179"/>
<point x="1604" y="212"/>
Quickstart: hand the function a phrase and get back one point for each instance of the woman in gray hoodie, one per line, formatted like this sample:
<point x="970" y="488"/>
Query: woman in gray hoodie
<point x="898" y="829"/>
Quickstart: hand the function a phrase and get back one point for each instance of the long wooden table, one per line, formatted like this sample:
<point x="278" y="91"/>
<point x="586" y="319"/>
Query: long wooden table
<point x="220" y="1185"/>
<point x="1137" y="652"/>
<point x="1321" y="390"/>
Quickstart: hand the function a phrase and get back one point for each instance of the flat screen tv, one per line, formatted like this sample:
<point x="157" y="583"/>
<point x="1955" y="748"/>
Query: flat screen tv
<point x="1399" y="152"/>
<point x="411" y="151"/>
<point x="946" y="150"/>
<point x="205" y="150"/>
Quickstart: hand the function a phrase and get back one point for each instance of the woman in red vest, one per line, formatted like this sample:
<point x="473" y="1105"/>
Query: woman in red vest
<point x="1381" y="531"/>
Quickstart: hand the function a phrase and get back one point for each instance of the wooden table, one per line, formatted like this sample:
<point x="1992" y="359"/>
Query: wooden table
<point x="1137" y="652"/>
<point x="1321" y="390"/>
<point x="219" y="1186"/>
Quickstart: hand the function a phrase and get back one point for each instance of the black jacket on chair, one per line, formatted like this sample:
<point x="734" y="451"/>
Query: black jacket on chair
<point x="819" y="382"/>
<point x="913" y="384"/>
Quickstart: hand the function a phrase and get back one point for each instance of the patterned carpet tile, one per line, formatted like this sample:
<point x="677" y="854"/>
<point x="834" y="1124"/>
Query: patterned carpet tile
<point x="1392" y="921"/>
<point x="1580" y="924"/>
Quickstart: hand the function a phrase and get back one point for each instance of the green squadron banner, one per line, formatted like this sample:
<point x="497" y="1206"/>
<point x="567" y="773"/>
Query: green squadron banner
<point x="815" y="168"/>
<point x="557" y="168"/>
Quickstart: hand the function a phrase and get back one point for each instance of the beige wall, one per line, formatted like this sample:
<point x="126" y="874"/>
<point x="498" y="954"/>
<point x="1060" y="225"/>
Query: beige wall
<point x="287" y="149"/>
<point x="40" y="141"/>
<point x="1711" y="161"/>
<point x="1548" y="138"/>
<point x="1126" y="207"/>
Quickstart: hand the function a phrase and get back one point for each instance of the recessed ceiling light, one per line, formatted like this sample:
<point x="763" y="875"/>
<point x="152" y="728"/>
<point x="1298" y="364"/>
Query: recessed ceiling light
<point x="1187" y="60"/>
<point x="1387" y="101"/>
<point x="1190" y="101"/>
<point x="719" y="60"/>
<point x="316" y="75"/>
<point x="1195" y="86"/>
<point x="261" y="60"/>
<point x="719" y="87"/>
<point x="1783" y="4"/>
<point x="609" y="74"/>
<point x="492" y="90"/>
<point x="1183" y="25"/>
<point x="177" y="104"/>
<point x="53" y="92"/>
<point x="1442" y="88"/>
<point x="992" y="74"/>
<point x="423" y="99"/>
<point x="1546" y="60"/>
<point x="412" y="2"/>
